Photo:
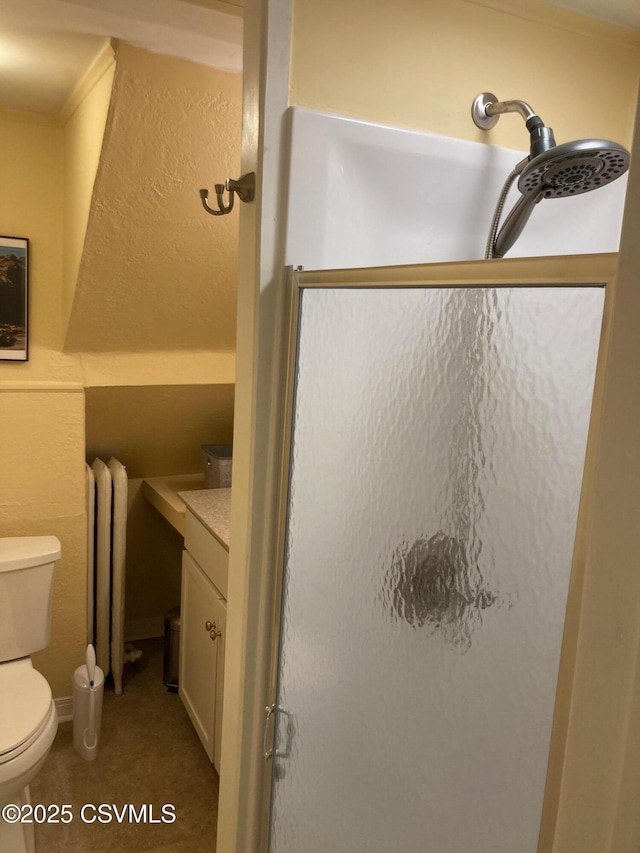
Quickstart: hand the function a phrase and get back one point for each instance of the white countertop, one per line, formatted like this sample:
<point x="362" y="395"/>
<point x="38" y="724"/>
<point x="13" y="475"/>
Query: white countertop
<point x="162" y="493"/>
<point x="213" y="508"/>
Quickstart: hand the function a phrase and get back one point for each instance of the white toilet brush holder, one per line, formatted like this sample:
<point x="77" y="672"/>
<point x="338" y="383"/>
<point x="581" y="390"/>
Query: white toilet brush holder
<point x="88" y="692"/>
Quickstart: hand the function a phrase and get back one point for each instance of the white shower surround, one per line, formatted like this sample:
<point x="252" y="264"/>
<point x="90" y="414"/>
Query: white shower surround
<point x="364" y="194"/>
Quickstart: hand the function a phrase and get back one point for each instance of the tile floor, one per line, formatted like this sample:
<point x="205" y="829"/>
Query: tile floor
<point x="149" y="754"/>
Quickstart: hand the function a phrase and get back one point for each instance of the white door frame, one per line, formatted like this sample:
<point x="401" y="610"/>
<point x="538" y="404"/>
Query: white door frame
<point x="598" y="808"/>
<point x="258" y="413"/>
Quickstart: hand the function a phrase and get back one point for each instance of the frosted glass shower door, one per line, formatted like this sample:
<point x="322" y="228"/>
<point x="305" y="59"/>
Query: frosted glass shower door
<point x="438" y="443"/>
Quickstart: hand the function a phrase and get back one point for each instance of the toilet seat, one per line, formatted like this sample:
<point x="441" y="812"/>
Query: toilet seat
<point x="49" y="723"/>
<point x="26" y="706"/>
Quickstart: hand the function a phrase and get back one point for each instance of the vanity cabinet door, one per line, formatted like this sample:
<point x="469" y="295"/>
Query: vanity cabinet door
<point x="200" y="610"/>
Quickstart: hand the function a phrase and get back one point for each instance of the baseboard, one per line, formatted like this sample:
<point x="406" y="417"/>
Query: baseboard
<point x="64" y="708"/>
<point x="143" y="629"/>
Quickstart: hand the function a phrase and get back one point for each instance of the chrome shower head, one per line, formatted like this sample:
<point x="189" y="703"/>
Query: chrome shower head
<point x="550" y="171"/>
<point x="573" y="168"/>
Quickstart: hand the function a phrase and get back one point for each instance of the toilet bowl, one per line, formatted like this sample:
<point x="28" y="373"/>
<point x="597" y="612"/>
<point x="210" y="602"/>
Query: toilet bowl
<point x="28" y="725"/>
<point x="28" y="717"/>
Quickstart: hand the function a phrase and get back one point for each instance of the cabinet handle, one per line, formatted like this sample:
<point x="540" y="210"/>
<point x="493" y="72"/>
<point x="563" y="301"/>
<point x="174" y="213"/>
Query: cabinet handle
<point x="208" y="625"/>
<point x="214" y="633"/>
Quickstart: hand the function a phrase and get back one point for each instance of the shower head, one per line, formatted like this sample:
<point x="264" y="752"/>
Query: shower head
<point x="566" y="170"/>
<point x="550" y="171"/>
<point x="573" y="168"/>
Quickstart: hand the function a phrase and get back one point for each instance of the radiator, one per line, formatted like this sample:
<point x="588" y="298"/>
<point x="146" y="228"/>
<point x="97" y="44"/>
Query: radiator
<point x="106" y="552"/>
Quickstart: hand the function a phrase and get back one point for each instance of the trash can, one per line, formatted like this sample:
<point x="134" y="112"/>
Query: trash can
<point x="217" y="461"/>
<point x="171" y="649"/>
<point x="86" y="740"/>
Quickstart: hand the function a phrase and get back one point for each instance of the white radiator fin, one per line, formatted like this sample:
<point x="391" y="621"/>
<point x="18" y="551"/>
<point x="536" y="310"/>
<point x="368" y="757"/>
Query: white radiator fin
<point x="107" y="533"/>
<point x="91" y="532"/>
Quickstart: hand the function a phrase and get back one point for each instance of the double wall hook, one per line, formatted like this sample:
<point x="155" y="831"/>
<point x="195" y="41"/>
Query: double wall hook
<point x="244" y="188"/>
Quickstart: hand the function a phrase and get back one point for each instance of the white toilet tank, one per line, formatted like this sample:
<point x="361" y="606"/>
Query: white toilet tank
<point x="26" y="587"/>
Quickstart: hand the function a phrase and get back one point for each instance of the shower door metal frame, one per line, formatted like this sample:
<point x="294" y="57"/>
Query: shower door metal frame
<point x="559" y="271"/>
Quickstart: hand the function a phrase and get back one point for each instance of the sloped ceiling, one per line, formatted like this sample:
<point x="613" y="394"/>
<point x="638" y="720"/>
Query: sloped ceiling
<point x="40" y="67"/>
<point x="157" y="272"/>
<point x="623" y="13"/>
<point x="47" y="45"/>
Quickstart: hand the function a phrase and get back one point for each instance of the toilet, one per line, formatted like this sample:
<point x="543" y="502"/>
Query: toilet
<point x="28" y="718"/>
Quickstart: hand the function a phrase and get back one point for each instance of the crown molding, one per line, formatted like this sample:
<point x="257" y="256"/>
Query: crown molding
<point x="92" y="76"/>
<point x="564" y="19"/>
<point x="28" y="117"/>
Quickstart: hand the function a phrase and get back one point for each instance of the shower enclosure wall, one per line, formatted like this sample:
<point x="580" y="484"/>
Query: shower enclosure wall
<point x="437" y="445"/>
<point x="379" y="195"/>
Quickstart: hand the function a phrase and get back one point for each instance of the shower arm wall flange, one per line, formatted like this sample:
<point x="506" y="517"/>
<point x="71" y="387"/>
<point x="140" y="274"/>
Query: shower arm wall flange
<point x="487" y="109"/>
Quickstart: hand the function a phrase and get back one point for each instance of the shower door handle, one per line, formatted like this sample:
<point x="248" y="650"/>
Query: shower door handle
<point x="271" y="711"/>
<point x="267" y="753"/>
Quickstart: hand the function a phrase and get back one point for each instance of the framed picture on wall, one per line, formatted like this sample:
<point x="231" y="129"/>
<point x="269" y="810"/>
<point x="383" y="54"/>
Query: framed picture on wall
<point x="14" y="298"/>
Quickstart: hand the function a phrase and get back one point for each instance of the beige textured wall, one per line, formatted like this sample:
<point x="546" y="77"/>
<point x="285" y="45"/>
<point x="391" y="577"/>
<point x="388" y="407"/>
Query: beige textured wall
<point x="157" y="291"/>
<point x="42" y="403"/>
<point x="420" y="63"/>
<point x="83" y="134"/>
<point x="153" y="320"/>
<point x="158" y="272"/>
<point x="157" y="430"/>
<point x="42" y="488"/>
<point x="154" y="315"/>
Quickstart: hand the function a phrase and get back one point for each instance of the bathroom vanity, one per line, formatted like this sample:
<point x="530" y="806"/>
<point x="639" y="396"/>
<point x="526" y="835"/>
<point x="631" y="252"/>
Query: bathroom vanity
<point x="201" y="516"/>
<point x="204" y="612"/>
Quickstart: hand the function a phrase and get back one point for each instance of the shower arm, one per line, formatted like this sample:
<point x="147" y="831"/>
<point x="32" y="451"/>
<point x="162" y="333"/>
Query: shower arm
<point x="520" y="107"/>
<point x="487" y="109"/>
